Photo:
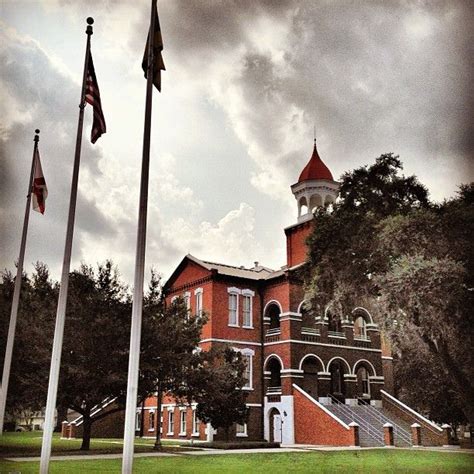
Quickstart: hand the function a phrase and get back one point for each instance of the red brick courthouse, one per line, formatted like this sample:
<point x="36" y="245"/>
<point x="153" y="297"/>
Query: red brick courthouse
<point x="311" y="379"/>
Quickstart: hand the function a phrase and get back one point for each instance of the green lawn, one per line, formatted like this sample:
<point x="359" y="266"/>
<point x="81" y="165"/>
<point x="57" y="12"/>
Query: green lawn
<point x="374" y="461"/>
<point x="29" y="444"/>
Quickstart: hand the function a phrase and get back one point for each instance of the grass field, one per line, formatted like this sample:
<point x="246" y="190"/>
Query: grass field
<point x="371" y="461"/>
<point x="29" y="444"/>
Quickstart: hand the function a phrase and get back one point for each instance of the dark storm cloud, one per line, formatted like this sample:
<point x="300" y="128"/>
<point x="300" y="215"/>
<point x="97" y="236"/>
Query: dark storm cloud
<point x="373" y="76"/>
<point x="45" y="98"/>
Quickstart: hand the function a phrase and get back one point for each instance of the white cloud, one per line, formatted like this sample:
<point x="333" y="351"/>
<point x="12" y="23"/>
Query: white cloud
<point x="231" y="240"/>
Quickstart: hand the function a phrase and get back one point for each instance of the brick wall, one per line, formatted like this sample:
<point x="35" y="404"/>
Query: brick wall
<point x="315" y="426"/>
<point x="296" y="248"/>
<point x="430" y="436"/>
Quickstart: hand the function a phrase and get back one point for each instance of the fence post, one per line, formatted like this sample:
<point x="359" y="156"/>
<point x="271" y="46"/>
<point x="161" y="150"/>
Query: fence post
<point x="355" y="433"/>
<point x="416" y="434"/>
<point x="388" y="434"/>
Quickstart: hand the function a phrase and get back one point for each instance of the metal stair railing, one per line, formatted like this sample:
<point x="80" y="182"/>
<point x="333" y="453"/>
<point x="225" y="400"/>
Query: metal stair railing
<point x="397" y="429"/>
<point x="423" y="422"/>
<point x="363" y="424"/>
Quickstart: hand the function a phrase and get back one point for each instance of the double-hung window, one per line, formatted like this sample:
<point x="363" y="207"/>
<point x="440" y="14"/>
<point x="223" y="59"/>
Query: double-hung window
<point x="233" y="306"/>
<point x="241" y="430"/>
<point x="198" y="296"/>
<point x="187" y="300"/>
<point x="247" y="358"/>
<point x="195" y="424"/>
<point x="247" y="298"/>
<point x="248" y="370"/>
<point x="171" y="421"/>
<point x="182" y="422"/>
<point x="151" y="420"/>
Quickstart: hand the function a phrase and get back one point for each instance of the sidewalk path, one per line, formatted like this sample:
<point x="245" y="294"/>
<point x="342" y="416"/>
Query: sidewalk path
<point x="207" y="452"/>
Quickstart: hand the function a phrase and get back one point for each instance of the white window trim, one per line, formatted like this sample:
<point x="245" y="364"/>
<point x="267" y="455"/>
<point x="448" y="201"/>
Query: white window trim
<point x="151" y="412"/>
<point x="181" y="412"/>
<point x="195" y="423"/>
<point x="174" y="298"/>
<point x="138" y="420"/>
<point x="170" y="413"/>
<point x="244" y="434"/>
<point x="187" y="299"/>
<point x="251" y="353"/>
<point x="250" y="294"/>
<point x="236" y="292"/>
<point x="198" y="291"/>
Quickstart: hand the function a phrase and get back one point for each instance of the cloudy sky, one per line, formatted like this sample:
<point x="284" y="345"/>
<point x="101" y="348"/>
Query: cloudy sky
<point x="245" y="83"/>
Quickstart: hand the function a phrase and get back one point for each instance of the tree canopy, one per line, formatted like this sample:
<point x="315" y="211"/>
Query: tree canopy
<point x="384" y="246"/>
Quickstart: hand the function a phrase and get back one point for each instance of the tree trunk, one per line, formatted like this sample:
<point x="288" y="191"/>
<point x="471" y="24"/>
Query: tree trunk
<point x="62" y="416"/>
<point x="227" y="434"/>
<point x="159" y="396"/>
<point x="459" y="380"/>
<point x="86" y="432"/>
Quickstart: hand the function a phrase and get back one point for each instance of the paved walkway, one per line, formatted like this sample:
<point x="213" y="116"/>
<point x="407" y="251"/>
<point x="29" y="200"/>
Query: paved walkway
<point x="207" y="452"/>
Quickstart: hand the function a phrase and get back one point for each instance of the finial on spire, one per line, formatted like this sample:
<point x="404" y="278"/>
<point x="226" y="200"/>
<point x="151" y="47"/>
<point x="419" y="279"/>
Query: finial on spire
<point x="314" y="133"/>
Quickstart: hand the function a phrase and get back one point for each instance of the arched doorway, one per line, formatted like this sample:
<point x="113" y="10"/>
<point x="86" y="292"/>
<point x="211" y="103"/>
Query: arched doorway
<point x="337" y="369"/>
<point x="363" y="371"/>
<point x="310" y="367"/>
<point x="276" y="426"/>
<point x="363" y="384"/>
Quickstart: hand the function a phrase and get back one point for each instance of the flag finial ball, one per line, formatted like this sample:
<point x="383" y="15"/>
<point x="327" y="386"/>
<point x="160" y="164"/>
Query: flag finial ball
<point x="37" y="130"/>
<point x="90" y="20"/>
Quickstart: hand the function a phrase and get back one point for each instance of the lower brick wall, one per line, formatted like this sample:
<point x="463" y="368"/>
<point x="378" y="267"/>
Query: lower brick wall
<point x="429" y="435"/>
<point x="109" y="427"/>
<point x="314" y="426"/>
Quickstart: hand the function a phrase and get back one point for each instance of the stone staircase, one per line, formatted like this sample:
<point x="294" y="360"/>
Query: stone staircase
<point x="371" y="420"/>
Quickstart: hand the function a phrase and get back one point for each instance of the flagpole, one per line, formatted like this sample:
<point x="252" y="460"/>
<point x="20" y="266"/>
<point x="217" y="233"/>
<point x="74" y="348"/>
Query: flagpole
<point x="16" y="293"/>
<point x="62" y="300"/>
<point x="135" y="335"/>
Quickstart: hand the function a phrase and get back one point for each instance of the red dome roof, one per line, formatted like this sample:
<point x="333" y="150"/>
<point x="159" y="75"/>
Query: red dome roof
<point x="315" y="169"/>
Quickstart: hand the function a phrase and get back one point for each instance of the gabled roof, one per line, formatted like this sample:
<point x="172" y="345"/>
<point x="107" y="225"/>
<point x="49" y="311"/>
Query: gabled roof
<point x="256" y="273"/>
<point x="315" y="169"/>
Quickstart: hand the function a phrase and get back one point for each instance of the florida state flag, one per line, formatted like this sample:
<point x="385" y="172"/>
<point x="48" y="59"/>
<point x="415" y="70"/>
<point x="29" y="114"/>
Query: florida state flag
<point x="39" y="190"/>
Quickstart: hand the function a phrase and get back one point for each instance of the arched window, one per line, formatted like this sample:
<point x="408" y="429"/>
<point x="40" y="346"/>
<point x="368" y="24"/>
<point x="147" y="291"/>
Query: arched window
<point x="303" y="206"/>
<point x="307" y="318"/>
<point x="315" y="201"/>
<point x="334" y="323"/>
<point x="363" y="386"/>
<point x="360" y="327"/>
<point x="273" y="312"/>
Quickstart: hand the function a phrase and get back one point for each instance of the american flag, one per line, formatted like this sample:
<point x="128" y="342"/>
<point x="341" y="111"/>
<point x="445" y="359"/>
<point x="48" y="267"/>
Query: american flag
<point x="93" y="98"/>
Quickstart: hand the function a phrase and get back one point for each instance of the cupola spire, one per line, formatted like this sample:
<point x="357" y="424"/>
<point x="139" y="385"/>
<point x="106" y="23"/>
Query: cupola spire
<point x="315" y="187"/>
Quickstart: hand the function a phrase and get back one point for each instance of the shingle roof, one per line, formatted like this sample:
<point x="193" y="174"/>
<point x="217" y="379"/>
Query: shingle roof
<point x="256" y="273"/>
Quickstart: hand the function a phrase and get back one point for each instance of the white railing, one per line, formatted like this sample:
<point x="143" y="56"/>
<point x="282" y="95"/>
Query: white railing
<point x="381" y="418"/>
<point x="336" y="334"/>
<point x="364" y="425"/>
<point x="311" y="331"/>
<point x="274" y="390"/>
<point x="273" y="332"/>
